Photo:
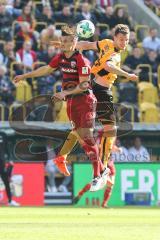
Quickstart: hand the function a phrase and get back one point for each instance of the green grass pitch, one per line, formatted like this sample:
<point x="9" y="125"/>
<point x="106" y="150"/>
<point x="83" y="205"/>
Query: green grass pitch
<point x="69" y="223"/>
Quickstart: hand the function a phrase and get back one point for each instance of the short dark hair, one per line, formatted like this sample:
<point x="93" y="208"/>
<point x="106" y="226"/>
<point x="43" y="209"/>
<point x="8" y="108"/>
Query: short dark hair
<point x="121" y="28"/>
<point x="68" y="30"/>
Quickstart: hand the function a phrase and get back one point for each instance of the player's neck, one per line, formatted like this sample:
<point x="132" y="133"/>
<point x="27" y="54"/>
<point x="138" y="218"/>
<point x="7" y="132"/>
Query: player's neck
<point x="116" y="47"/>
<point x="68" y="54"/>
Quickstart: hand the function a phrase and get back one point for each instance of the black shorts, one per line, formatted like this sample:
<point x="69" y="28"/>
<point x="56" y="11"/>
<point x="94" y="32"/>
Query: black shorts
<point x="105" y="107"/>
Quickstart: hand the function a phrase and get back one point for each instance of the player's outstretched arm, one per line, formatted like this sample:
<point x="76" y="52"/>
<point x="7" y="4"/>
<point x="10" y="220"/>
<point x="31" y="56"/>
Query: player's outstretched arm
<point x="110" y="67"/>
<point x="81" y="45"/>
<point x="42" y="71"/>
<point x="84" y="45"/>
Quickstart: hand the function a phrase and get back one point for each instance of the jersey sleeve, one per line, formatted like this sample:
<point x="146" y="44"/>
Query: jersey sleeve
<point x="54" y="63"/>
<point x="83" y="66"/>
<point x="101" y="44"/>
<point x="114" y="58"/>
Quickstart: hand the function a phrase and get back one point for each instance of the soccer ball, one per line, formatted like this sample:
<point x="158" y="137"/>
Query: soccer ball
<point x="85" y="29"/>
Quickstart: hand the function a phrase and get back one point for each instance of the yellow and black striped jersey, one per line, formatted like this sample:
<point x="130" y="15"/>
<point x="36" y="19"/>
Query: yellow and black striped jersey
<point x="107" y="52"/>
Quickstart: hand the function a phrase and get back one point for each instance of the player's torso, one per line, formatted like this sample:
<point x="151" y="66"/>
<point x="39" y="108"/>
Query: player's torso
<point x="107" y="52"/>
<point x="69" y="71"/>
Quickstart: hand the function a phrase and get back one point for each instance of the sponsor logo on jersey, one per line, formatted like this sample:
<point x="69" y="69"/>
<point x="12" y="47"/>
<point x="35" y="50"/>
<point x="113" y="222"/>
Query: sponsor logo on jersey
<point x="69" y="70"/>
<point x="84" y="70"/>
<point x="106" y="47"/>
<point x="73" y="64"/>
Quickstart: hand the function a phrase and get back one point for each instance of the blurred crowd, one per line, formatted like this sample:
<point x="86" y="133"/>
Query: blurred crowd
<point x="27" y="27"/>
<point x="154" y="5"/>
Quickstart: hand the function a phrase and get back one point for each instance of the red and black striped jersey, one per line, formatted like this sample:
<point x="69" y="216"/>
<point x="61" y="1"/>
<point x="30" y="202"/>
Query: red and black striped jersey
<point x="72" y="68"/>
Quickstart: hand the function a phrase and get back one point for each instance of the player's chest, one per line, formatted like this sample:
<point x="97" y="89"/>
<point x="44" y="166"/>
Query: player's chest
<point x="69" y="66"/>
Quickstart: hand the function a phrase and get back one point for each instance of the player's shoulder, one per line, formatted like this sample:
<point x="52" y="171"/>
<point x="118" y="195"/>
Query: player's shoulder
<point x="81" y="57"/>
<point x="105" y="44"/>
<point x="58" y="56"/>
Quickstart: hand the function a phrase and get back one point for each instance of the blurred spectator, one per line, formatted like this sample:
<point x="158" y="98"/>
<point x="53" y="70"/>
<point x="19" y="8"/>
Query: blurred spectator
<point x="12" y="10"/>
<point x="133" y="60"/>
<point x="46" y="15"/>
<point x="48" y="34"/>
<point x="5" y="23"/>
<point x="119" y="152"/>
<point x="90" y="55"/>
<point x="18" y="4"/>
<point x="109" y="35"/>
<point x="104" y="3"/>
<point x="152" y="42"/>
<point x="6" y="87"/>
<point x="152" y="59"/>
<point x="156" y="2"/>
<point x="26" y="56"/>
<point x="47" y="55"/>
<point x="132" y="44"/>
<point x="121" y="16"/>
<point x="150" y="4"/>
<point x="132" y="39"/>
<point x="27" y="16"/>
<point x="56" y="5"/>
<point x="108" y="17"/>
<point x="25" y="34"/>
<point x="86" y="13"/>
<point x="158" y="10"/>
<point x="138" y="153"/>
<point x="128" y="93"/>
<point x="45" y="84"/>
<point x="8" y="54"/>
<point x="65" y="16"/>
<point x="6" y="171"/>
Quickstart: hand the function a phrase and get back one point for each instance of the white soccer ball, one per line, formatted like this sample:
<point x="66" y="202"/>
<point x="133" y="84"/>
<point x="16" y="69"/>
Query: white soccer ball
<point x="85" y="29"/>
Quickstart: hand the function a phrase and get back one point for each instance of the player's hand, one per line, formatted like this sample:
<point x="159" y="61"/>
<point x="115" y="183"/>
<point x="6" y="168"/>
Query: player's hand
<point x="56" y="44"/>
<point x="132" y="77"/>
<point x="137" y="71"/>
<point x="59" y="96"/>
<point x="18" y="78"/>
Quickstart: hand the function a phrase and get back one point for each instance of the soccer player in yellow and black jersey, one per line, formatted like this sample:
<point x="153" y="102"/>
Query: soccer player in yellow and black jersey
<point x="105" y="71"/>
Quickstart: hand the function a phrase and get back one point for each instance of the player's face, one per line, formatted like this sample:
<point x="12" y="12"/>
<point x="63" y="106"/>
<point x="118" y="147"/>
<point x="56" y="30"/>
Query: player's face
<point x="68" y="43"/>
<point x="121" y="41"/>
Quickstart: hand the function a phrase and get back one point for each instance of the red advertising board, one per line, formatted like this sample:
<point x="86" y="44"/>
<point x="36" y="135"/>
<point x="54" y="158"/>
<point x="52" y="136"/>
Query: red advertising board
<point x="27" y="184"/>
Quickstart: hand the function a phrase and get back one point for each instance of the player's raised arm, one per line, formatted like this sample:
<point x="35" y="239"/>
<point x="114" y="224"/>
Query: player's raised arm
<point x="81" y="45"/>
<point x="42" y="71"/>
<point x="84" y="45"/>
<point x="110" y="67"/>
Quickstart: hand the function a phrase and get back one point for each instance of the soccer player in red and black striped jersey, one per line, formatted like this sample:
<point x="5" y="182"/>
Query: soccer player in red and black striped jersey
<point x="81" y="102"/>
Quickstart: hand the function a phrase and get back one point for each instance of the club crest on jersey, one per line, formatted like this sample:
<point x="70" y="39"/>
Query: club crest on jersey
<point x="73" y="64"/>
<point x="84" y="70"/>
<point x="106" y="47"/>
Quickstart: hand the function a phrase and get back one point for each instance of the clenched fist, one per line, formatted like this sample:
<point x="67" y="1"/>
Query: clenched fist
<point x="18" y="78"/>
<point x="132" y="77"/>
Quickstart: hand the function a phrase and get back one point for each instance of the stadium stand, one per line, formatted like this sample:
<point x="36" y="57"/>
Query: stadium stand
<point x="39" y="22"/>
<point x="149" y="113"/>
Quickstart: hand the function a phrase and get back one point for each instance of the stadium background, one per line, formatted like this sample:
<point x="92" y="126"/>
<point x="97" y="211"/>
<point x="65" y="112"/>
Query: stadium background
<point x="30" y="26"/>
